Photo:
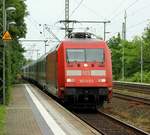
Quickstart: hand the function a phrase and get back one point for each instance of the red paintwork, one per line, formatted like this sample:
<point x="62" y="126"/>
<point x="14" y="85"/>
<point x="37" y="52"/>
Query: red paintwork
<point x="63" y="66"/>
<point x="56" y="66"/>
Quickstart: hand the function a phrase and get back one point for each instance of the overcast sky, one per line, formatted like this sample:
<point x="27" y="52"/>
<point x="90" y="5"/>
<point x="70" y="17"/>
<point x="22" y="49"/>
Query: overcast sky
<point x="51" y="11"/>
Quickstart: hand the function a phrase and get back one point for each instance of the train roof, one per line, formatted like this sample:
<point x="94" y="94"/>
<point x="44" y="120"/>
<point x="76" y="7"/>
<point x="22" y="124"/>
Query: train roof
<point x="84" y="41"/>
<point x="85" y="37"/>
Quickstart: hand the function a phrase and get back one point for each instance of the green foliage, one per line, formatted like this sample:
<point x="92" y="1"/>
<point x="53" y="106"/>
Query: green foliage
<point x="19" y="29"/>
<point x="146" y="34"/>
<point x="132" y="57"/>
<point x="146" y="49"/>
<point x="17" y="59"/>
<point x="14" y="51"/>
<point x="116" y="49"/>
<point x="2" y="119"/>
<point x="137" y="77"/>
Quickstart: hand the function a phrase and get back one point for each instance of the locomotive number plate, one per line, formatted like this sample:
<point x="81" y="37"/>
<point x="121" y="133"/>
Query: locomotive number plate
<point x="86" y="72"/>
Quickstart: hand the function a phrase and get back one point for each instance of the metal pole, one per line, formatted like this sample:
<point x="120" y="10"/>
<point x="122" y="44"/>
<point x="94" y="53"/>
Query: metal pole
<point x="45" y="46"/>
<point x="4" y="30"/>
<point x="104" y="31"/>
<point x="123" y="37"/>
<point x="66" y="17"/>
<point x="125" y="25"/>
<point x="141" y="62"/>
<point x="37" y="54"/>
<point x="123" y="62"/>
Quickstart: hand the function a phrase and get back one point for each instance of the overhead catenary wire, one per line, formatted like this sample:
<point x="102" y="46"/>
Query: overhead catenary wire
<point x="37" y="25"/>
<point x="135" y="25"/>
<point x="91" y="10"/>
<point x="132" y="4"/>
<point x="49" y="30"/>
<point x="131" y="27"/>
<point x="118" y="8"/>
<point x="139" y="10"/>
<point x="34" y="23"/>
<point x="127" y="8"/>
<point x="76" y="7"/>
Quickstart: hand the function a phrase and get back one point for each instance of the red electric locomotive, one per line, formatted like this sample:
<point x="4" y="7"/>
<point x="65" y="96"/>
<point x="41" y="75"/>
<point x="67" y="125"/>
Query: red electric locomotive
<point x="78" y="71"/>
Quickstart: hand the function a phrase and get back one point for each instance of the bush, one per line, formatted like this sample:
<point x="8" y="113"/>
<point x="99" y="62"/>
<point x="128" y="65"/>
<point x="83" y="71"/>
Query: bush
<point x="137" y="77"/>
<point x="2" y="119"/>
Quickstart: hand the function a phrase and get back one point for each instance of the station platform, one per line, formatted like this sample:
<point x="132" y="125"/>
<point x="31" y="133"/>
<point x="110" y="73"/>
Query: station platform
<point x="32" y="112"/>
<point x="20" y="118"/>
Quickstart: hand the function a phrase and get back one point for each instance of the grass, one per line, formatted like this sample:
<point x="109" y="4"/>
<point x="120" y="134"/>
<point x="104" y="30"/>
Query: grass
<point x="2" y="119"/>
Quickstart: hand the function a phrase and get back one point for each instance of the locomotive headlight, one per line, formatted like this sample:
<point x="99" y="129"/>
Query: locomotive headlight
<point x="102" y="80"/>
<point x="85" y="65"/>
<point x="70" y="80"/>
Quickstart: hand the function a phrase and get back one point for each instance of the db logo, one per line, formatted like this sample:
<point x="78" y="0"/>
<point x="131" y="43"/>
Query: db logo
<point x="86" y="72"/>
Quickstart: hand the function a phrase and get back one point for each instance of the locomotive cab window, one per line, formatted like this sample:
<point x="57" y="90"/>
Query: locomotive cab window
<point x="75" y="55"/>
<point x="85" y="55"/>
<point x="94" y="55"/>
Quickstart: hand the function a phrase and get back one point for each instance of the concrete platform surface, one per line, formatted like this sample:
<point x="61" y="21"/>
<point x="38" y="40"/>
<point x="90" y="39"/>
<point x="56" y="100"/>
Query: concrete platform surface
<point x="20" y="118"/>
<point x="32" y="112"/>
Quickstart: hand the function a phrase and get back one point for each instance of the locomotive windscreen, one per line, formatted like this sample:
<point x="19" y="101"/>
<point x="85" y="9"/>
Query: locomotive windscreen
<point x="85" y="55"/>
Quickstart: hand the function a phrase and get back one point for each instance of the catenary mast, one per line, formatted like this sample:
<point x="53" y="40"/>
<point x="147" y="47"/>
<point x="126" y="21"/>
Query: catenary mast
<point x="66" y="17"/>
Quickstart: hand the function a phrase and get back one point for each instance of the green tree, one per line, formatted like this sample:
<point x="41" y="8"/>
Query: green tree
<point x="116" y="49"/>
<point x="14" y="50"/>
<point x="146" y="48"/>
<point x="132" y="56"/>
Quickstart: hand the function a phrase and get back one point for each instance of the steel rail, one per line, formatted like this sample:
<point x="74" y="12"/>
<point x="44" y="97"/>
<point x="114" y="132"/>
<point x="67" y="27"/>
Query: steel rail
<point x="141" y="87"/>
<point x="88" y="123"/>
<point x="109" y="125"/>
<point x="126" y="125"/>
<point x="132" y="98"/>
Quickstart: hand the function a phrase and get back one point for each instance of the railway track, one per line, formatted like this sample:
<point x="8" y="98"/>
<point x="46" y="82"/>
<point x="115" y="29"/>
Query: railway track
<point x="108" y="125"/>
<point x="135" y="87"/>
<point x="132" y="98"/>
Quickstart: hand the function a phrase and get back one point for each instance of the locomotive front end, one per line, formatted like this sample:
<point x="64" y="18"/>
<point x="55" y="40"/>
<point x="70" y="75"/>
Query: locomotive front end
<point x="87" y="81"/>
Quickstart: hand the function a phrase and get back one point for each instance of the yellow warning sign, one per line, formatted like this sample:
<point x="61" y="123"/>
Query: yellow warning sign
<point x="6" y="36"/>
